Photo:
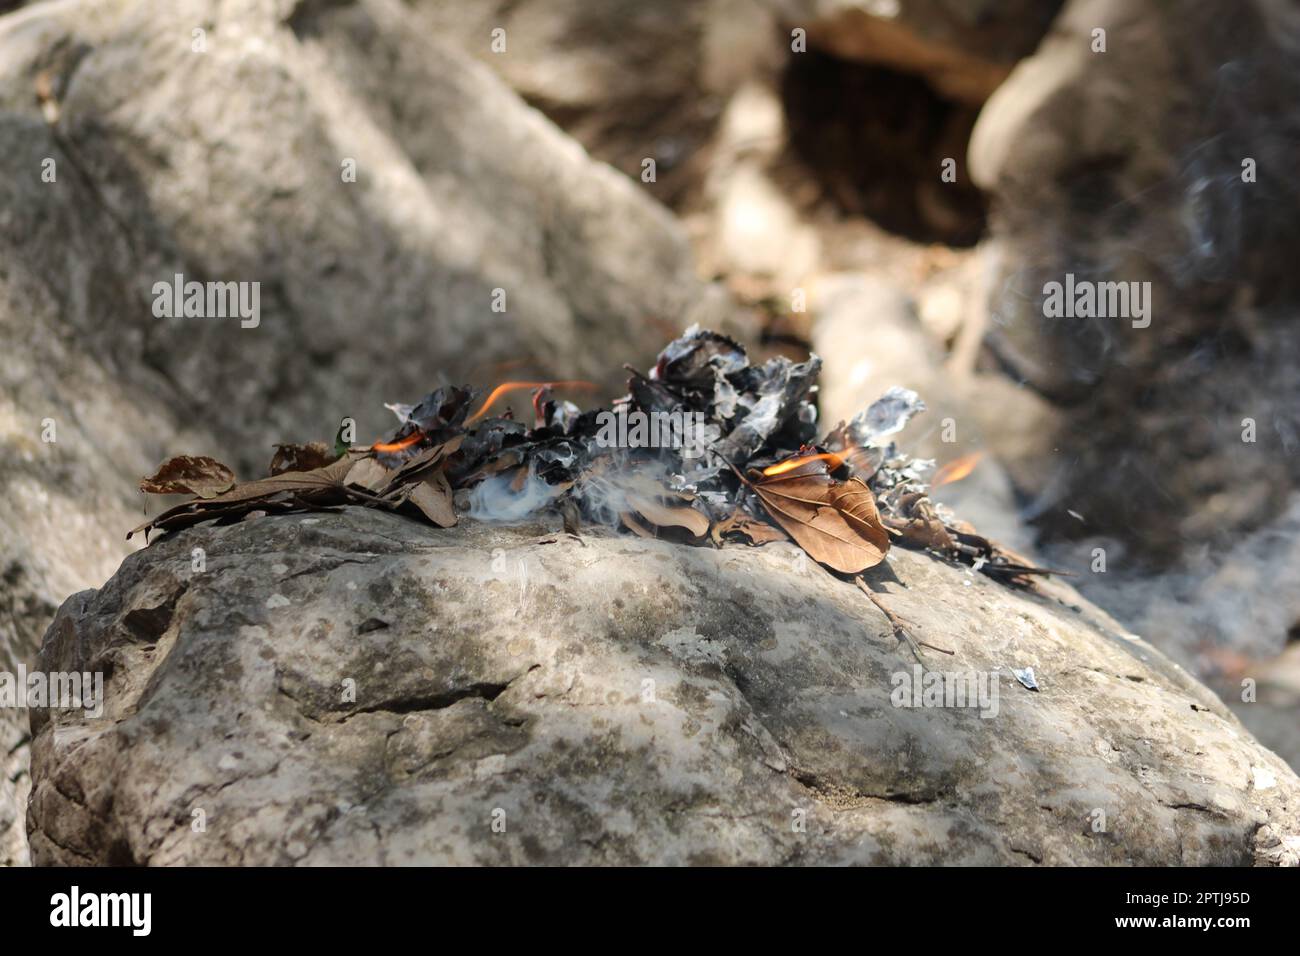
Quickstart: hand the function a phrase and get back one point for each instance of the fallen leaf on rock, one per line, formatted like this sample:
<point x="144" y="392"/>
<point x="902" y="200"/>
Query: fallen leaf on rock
<point x="835" y="522"/>
<point x="738" y="524"/>
<point x="368" y="474"/>
<point x="295" y="457"/>
<point x="921" y="526"/>
<point x="434" y="499"/>
<point x="189" y="475"/>
<point x="635" y="525"/>
<point x="292" y="490"/>
<point x="327" y="478"/>
<point x="670" y="515"/>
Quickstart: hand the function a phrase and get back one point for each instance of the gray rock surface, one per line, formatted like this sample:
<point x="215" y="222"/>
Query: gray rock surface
<point x="226" y="164"/>
<point x="15" y="784"/>
<point x="527" y="697"/>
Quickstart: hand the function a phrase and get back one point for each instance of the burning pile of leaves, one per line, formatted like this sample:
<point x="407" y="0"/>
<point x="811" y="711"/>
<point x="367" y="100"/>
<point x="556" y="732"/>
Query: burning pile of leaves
<point x="706" y="449"/>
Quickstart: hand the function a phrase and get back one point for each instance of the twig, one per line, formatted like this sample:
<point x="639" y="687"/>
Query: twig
<point x="372" y="499"/>
<point x="899" y="624"/>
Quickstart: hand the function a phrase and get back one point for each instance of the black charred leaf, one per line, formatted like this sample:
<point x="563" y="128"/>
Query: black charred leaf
<point x="650" y="396"/>
<point x="773" y="399"/>
<point x="694" y="360"/>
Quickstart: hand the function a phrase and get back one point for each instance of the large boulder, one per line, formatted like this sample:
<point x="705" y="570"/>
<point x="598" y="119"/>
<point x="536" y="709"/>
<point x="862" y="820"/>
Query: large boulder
<point x="358" y="688"/>
<point x="1150" y="142"/>
<point x="139" y="140"/>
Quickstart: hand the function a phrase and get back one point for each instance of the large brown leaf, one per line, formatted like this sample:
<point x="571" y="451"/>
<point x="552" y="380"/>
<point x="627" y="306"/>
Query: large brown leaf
<point x="356" y="476"/>
<point x="836" y="522"/>
<point x="328" y="478"/>
<point x="308" y="489"/>
<point x="189" y="475"/>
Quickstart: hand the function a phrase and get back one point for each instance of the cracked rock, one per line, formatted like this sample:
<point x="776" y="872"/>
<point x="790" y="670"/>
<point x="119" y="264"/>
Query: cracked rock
<point x="539" y="699"/>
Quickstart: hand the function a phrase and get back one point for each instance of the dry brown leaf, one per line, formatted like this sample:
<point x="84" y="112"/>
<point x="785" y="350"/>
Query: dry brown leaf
<point x="634" y="524"/>
<point x="921" y="526"/>
<point x="434" y="499"/>
<point x="328" y="478"/>
<point x="295" y="457"/>
<point x="670" y="516"/>
<point x="300" y="490"/>
<point x="189" y="475"/>
<point x="835" y="522"/>
<point x="368" y="474"/>
<point x="425" y="459"/>
<point x="741" y="525"/>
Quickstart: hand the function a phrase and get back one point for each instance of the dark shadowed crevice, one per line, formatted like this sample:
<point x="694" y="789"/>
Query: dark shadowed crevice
<point x="875" y="140"/>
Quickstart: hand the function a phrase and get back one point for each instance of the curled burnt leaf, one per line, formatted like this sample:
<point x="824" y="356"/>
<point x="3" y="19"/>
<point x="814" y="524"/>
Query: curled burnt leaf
<point x="741" y="526"/>
<point x="305" y="457"/>
<point x="189" y="474"/>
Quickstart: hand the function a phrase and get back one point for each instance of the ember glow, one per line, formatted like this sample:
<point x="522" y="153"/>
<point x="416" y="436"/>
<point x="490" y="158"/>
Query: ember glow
<point x="956" y="470"/>
<point x="790" y="464"/>
<point x="508" y="387"/>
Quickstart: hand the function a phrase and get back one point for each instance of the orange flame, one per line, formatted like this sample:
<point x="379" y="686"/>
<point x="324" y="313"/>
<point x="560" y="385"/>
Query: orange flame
<point x="790" y="464"/>
<point x="956" y="470"/>
<point x="516" y="386"/>
<point x="406" y="442"/>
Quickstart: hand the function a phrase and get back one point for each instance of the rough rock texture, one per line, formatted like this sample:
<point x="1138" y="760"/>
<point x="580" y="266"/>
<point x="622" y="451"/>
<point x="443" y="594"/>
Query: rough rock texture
<point x="227" y="165"/>
<point x="613" y="700"/>
<point x="15" y="784"/>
